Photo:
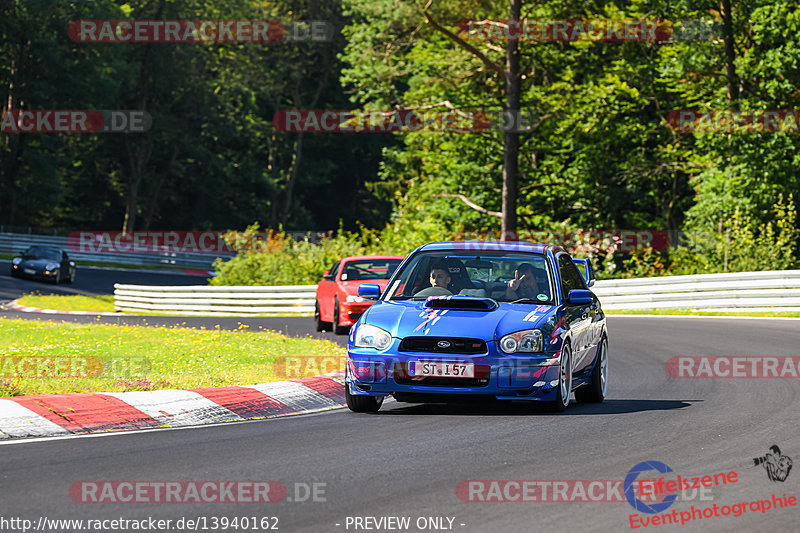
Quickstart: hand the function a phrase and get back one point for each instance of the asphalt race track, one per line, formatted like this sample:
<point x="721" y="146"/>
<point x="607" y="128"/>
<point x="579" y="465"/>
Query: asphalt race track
<point x="408" y="460"/>
<point x="90" y="281"/>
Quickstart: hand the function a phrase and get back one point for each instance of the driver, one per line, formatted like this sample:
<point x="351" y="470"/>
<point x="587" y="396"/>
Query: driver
<point x="440" y="277"/>
<point x="525" y="283"/>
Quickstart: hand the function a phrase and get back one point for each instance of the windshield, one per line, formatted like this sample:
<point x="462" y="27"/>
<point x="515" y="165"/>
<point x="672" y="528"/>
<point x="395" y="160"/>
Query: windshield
<point x="503" y="276"/>
<point x="41" y="252"/>
<point x="369" y="269"/>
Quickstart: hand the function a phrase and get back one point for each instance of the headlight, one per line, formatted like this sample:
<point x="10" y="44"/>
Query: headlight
<point x="528" y="340"/>
<point x="16" y="260"/>
<point x="369" y="336"/>
<point x="51" y="266"/>
<point x="350" y="299"/>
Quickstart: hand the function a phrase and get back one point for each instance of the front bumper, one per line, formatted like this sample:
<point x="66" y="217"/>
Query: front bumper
<point x="351" y="312"/>
<point x="505" y="377"/>
<point x="28" y="272"/>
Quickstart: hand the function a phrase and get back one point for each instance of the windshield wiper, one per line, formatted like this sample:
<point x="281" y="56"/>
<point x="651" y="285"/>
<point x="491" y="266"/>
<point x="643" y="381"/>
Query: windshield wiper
<point x="525" y="301"/>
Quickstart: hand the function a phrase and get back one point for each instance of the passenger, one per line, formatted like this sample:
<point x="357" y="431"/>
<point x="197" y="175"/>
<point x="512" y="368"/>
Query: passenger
<point x="524" y="285"/>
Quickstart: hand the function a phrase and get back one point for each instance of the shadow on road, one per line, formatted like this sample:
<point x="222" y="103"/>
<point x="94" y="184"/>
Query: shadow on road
<point x="496" y="408"/>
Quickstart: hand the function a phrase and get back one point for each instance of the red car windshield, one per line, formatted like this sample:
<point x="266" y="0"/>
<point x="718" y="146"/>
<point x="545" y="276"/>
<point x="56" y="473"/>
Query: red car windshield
<point x="369" y="269"/>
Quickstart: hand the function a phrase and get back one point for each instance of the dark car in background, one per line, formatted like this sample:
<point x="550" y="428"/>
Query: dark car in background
<point x="45" y="263"/>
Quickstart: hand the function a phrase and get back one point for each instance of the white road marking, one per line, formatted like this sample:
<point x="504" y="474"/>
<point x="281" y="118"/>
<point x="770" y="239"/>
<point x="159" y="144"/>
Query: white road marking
<point x="177" y="407"/>
<point x="19" y="421"/>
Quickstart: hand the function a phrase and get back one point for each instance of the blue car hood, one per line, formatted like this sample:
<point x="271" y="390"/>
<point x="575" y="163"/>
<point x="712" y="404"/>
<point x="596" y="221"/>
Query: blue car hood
<point x="412" y="318"/>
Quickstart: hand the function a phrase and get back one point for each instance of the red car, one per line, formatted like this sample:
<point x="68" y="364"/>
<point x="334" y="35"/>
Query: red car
<point x="338" y="304"/>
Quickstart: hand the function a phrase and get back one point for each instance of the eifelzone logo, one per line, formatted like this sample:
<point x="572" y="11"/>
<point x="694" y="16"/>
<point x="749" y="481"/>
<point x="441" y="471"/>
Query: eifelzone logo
<point x="777" y="465"/>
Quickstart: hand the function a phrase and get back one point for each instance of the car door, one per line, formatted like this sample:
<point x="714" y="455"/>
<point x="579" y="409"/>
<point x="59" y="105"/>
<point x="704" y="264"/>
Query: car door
<point x="578" y="317"/>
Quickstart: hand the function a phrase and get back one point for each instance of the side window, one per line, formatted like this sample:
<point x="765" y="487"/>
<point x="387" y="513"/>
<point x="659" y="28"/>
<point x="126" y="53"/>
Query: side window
<point x="570" y="275"/>
<point x="335" y="269"/>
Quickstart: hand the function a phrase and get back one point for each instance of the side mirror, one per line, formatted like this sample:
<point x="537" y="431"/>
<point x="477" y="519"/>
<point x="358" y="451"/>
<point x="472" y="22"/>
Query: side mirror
<point x="369" y="291"/>
<point x="585" y="268"/>
<point x="327" y="275"/>
<point x="580" y="297"/>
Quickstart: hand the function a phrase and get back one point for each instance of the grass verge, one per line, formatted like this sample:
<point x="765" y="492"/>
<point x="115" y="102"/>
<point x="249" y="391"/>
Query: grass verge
<point x="97" y="304"/>
<point x="39" y="357"/>
<point x="693" y="312"/>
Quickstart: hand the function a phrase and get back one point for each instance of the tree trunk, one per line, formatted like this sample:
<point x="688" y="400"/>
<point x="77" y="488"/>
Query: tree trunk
<point x="292" y="178"/>
<point x="137" y="163"/>
<point x="510" y="137"/>
<point x="730" y="55"/>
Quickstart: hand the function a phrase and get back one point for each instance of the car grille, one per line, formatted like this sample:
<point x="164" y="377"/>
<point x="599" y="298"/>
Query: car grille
<point x="442" y="345"/>
<point x="481" y="379"/>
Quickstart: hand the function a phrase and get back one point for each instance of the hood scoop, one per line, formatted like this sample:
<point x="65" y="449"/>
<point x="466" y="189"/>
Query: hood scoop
<point x="472" y="303"/>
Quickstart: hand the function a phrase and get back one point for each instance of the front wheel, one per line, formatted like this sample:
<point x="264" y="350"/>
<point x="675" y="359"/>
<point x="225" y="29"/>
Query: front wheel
<point x="71" y="278"/>
<point x="362" y="404"/>
<point x="56" y="279"/>
<point x="564" y="380"/>
<point x="595" y="392"/>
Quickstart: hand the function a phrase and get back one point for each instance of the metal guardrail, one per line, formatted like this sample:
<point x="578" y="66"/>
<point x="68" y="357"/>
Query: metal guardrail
<point x="776" y="290"/>
<point x="753" y="291"/>
<point x="219" y="300"/>
<point x="16" y="242"/>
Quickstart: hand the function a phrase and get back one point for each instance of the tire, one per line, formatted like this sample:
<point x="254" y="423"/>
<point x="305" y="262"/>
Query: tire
<point x="318" y="322"/>
<point x="362" y="404"/>
<point x="71" y="278"/>
<point x="595" y="392"/>
<point x="564" y="380"/>
<point x="56" y="278"/>
<point x="337" y="329"/>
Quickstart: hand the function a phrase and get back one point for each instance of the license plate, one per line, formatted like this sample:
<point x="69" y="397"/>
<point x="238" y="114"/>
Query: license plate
<point x="441" y="369"/>
<point x="30" y="271"/>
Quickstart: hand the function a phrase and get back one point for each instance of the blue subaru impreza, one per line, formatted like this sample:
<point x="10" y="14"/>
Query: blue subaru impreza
<point x="504" y="320"/>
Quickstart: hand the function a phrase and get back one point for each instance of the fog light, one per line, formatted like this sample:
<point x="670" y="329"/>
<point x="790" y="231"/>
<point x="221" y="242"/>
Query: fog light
<point x="368" y="371"/>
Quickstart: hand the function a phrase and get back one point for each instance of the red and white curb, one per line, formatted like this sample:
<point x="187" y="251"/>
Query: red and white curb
<point x="14" y="306"/>
<point x="64" y="414"/>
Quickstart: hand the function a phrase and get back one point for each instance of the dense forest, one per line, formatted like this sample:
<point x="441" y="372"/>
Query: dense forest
<point x="601" y="150"/>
